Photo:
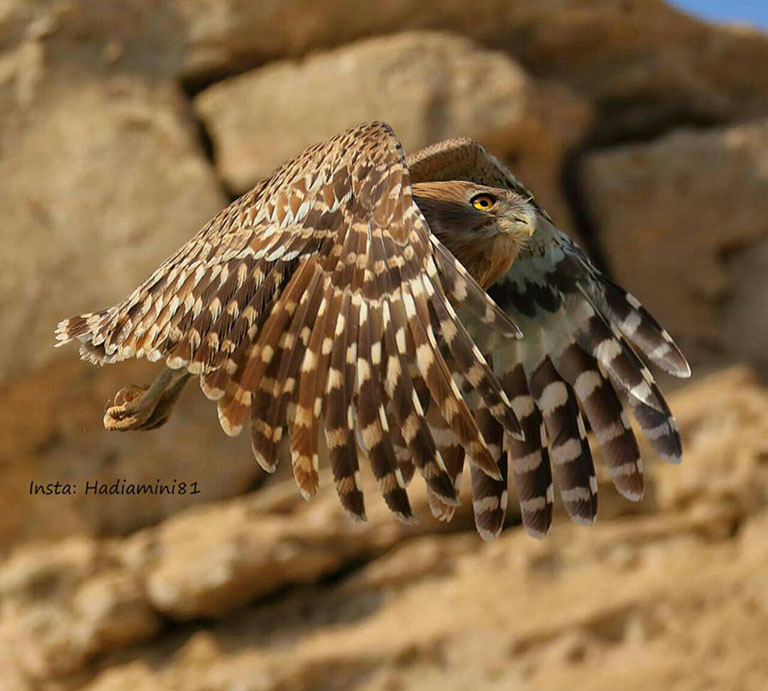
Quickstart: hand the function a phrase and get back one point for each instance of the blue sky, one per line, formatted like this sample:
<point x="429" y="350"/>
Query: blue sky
<point x="750" y="11"/>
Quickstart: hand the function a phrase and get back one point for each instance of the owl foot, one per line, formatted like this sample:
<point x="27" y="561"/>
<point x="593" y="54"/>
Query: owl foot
<point x="145" y="407"/>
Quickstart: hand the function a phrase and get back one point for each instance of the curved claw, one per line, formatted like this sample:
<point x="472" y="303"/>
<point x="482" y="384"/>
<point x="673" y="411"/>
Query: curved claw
<point x="142" y="407"/>
<point x="125" y="411"/>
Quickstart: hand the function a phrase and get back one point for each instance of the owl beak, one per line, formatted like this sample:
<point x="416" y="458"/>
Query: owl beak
<point x="529" y="220"/>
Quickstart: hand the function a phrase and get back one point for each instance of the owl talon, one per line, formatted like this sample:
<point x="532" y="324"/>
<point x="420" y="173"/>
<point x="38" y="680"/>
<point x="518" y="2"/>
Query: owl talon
<point x="128" y="410"/>
<point x="142" y="407"/>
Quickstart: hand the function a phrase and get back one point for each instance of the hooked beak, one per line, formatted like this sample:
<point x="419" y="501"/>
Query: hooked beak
<point x="527" y="218"/>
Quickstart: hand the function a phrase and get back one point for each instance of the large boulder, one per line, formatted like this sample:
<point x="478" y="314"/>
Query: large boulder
<point x="102" y="180"/>
<point x="683" y="223"/>
<point x="429" y="86"/>
<point x="647" y="64"/>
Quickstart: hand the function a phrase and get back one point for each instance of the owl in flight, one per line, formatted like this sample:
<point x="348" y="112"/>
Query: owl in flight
<point x="417" y="311"/>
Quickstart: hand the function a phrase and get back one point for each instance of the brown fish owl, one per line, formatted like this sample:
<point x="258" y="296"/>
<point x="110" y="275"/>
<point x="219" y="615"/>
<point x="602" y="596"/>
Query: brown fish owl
<point x="340" y="310"/>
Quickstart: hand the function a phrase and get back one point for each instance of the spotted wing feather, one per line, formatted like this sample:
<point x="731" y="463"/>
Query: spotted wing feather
<point x="304" y="306"/>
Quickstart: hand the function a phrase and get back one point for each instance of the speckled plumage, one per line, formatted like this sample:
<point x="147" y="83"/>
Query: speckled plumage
<point x="324" y="310"/>
<point x="574" y="356"/>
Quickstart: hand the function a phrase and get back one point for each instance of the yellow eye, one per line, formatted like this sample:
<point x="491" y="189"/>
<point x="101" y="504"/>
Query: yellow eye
<point x="483" y="202"/>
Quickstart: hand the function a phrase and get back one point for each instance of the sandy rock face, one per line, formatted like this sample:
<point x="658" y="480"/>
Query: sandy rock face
<point x="647" y="64"/>
<point x="130" y="36"/>
<point x="743" y="332"/>
<point x="428" y="86"/>
<point x="69" y="605"/>
<point x="236" y="32"/>
<point x="695" y="200"/>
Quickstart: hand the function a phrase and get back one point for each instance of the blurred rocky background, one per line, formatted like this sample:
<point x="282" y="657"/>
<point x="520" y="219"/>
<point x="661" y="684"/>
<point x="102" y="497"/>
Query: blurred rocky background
<point x="125" y="125"/>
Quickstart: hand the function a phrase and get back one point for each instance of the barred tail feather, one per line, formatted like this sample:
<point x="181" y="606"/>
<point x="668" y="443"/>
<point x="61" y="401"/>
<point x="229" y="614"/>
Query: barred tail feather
<point x="607" y="418"/>
<point x="599" y="401"/>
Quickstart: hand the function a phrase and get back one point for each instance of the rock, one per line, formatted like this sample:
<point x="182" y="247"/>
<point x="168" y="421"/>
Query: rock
<point x="104" y="179"/>
<point x="207" y="562"/>
<point x="666" y="216"/>
<point x="94" y="37"/>
<point x="52" y="433"/>
<point x="67" y="604"/>
<point x="724" y="421"/>
<point x="644" y="61"/>
<point x="234" y="33"/>
<point x="741" y="329"/>
<point x="428" y="86"/>
<point x="613" y="605"/>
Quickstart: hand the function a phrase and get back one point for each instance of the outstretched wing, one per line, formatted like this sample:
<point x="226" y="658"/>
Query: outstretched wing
<point x="575" y="356"/>
<point x="311" y="302"/>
